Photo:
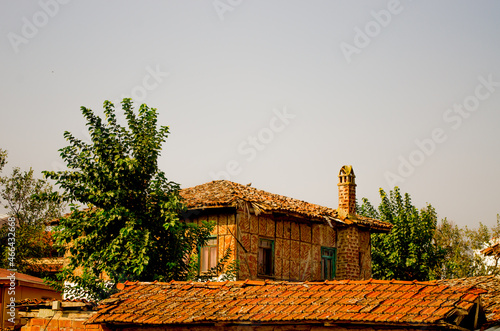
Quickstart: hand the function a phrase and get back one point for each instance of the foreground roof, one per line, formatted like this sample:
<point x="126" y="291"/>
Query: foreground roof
<point x="490" y="301"/>
<point x="224" y="193"/>
<point x="372" y="302"/>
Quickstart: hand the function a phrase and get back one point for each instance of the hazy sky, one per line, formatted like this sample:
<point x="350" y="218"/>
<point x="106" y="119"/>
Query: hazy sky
<point x="277" y="93"/>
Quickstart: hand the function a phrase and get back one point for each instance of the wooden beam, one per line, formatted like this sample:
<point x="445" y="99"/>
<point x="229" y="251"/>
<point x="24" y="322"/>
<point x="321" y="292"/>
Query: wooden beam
<point x="477" y="312"/>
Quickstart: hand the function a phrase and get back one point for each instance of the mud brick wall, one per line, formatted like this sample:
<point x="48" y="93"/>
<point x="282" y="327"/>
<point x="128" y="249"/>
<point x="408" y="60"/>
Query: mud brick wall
<point x="297" y="246"/>
<point x="225" y="230"/>
<point x="323" y="235"/>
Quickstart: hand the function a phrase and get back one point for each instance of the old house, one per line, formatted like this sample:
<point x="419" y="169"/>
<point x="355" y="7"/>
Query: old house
<point x="280" y="238"/>
<point x="15" y="287"/>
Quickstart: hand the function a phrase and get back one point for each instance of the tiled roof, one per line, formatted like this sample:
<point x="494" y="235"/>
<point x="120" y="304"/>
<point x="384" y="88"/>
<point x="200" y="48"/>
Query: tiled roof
<point x="373" y="302"/>
<point x="29" y="304"/>
<point x="224" y="193"/>
<point x="48" y="264"/>
<point x="490" y="301"/>
<point x="492" y="250"/>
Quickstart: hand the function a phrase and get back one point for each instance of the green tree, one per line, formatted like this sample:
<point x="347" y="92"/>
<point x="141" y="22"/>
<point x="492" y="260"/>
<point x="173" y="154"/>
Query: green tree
<point x="462" y="248"/>
<point x="19" y="194"/>
<point x="409" y="251"/>
<point x="131" y="227"/>
<point x="3" y="158"/>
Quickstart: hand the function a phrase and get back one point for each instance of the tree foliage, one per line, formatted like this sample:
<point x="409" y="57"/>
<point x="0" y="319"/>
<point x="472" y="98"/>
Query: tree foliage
<point x="20" y="193"/>
<point x="3" y="158"/>
<point x="409" y="251"/>
<point x="131" y="228"/>
<point x="462" y="248"/>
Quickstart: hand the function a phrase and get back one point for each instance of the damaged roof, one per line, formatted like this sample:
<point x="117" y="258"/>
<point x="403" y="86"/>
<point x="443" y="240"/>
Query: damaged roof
<point x="492" y="250"/>
<point x="371" y="302"/>
<point x="224" y="193"/>
<point x="490" y="301"/>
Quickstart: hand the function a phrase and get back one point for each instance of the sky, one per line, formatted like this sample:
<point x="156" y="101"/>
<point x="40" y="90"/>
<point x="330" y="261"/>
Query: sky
<point x="277" y="93"/>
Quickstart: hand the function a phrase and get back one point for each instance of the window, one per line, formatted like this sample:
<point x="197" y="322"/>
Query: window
<point x="266" y="257"/>
<point x="327" y="263"/>
<point x="208" y="255"/>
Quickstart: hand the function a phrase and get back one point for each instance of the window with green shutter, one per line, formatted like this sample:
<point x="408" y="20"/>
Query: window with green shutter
<point x="328" y="257"/>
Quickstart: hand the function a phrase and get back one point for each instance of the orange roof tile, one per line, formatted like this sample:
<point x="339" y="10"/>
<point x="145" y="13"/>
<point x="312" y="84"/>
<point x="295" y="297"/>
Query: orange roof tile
<point x="234" y="302"/>
<point x="490" y="301"/>
<point x="224" y="193"/>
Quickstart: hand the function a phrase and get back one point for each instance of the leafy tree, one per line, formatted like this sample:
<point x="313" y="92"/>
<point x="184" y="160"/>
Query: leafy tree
<point x="131" y="228"/>
<point x="462" y="250"/>
<point x="409" y="251"/>
<point x="19" y="193"/>
<point x="3" y="158"/>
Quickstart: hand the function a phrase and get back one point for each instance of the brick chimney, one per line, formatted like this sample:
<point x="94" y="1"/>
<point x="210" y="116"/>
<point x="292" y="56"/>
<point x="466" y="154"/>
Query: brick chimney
<point x="347" y="191"/>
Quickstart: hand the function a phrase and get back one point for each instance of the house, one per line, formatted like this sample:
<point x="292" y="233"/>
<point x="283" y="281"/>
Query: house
<point x="307" y="306"/>
<point x="15" y="287"/>
<point x="280" y="238"/>
<point x="40" y="266"/>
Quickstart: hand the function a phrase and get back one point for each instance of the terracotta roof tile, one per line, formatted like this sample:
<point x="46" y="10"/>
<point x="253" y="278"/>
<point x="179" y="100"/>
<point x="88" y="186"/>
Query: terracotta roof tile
<point x="340" y="301"/>
<point x="224" y="193"/>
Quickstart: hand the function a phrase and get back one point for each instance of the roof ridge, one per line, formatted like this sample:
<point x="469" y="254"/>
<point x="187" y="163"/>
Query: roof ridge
<point x="226" y="193"/>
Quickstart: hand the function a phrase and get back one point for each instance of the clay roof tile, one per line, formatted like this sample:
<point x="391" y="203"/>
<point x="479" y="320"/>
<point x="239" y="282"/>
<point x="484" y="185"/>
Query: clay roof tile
<point x="224" y="193"/>
<point x="257" y="301"/>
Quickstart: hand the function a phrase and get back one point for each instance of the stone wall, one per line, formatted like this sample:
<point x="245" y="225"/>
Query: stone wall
<point x="365" y="254"/>
<point x="348" y="253"/>
<point x="353" y="253"/>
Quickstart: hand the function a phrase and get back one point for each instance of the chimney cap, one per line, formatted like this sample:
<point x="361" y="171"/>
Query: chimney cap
<point x="347" y="170"/>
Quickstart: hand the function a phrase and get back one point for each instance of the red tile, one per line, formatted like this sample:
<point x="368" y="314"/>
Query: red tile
<point x="365" y="301"/>
<point x="395" y="318"/>
<point x="443" y="311"/>
<point x="465" y="305"/>
<point x="470" y="297"/>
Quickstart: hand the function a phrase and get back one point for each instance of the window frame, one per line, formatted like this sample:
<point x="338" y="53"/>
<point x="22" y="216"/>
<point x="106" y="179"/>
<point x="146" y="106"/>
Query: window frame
<point x="200" y="255"/>
<point x="326" y="257"/>
<point x="272" y="257"/>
